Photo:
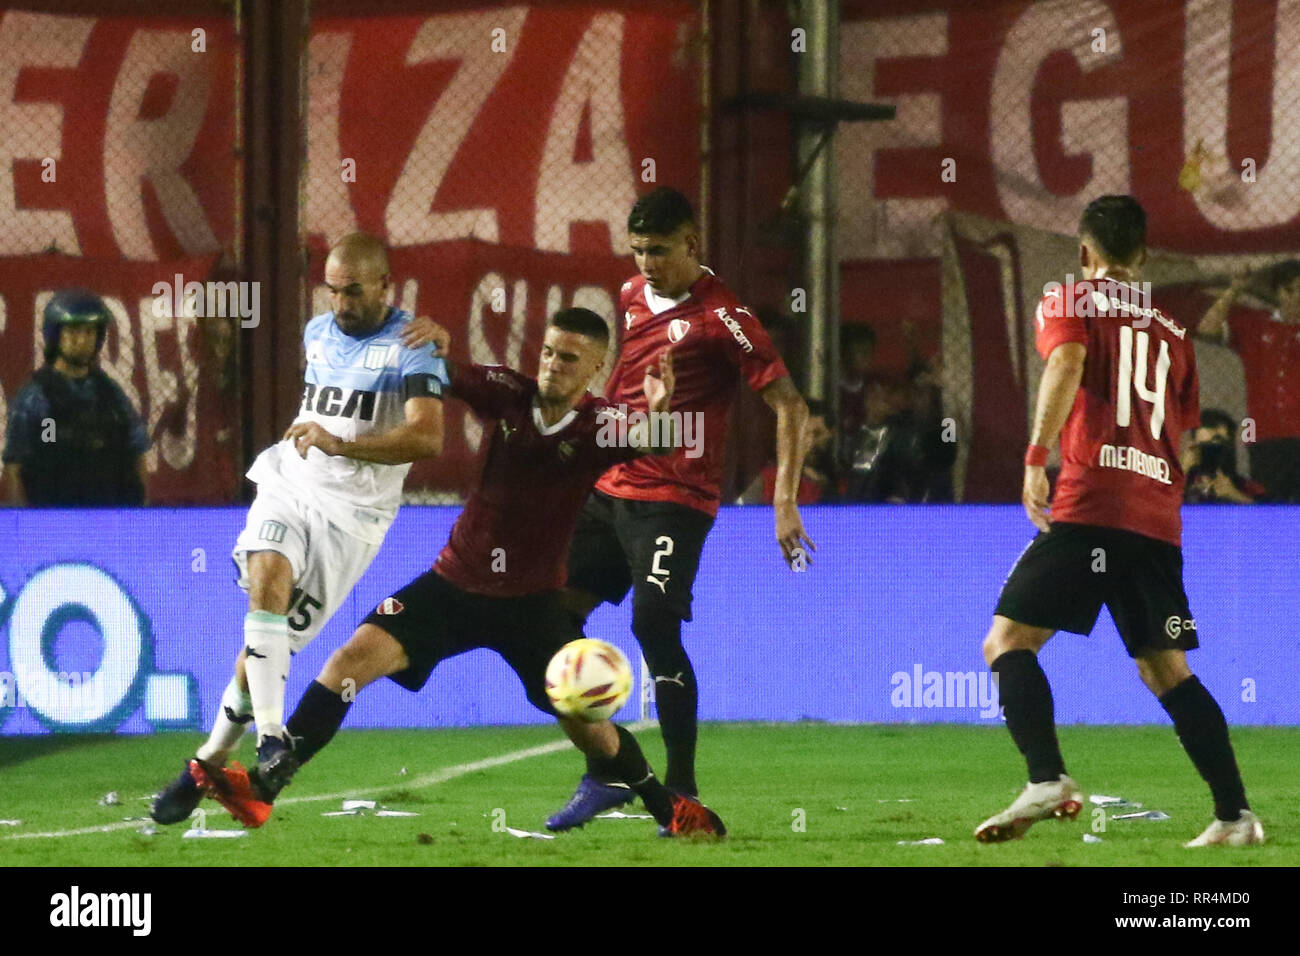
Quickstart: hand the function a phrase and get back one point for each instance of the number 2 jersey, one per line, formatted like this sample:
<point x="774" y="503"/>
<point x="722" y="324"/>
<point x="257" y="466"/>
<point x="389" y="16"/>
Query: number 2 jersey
<point x="1139" y="393"/>
<point x="352" y="387"/>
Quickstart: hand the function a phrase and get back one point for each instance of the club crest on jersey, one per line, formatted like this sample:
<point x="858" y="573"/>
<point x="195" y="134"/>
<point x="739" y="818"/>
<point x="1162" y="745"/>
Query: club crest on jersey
<point x="566" y="450"/>
<point x="377" y="355"/>
<point x="390" y="605"/>
<point x="677" y="329"/>
<point x="506" y="430"/>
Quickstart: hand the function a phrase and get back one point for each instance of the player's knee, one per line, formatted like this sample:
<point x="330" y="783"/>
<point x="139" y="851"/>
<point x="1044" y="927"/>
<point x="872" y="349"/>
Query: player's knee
<point x="270" y="582"/>
<point x="658" y="629"/>
<point x="1163" y="671"/>
<point x="370" y="654"/>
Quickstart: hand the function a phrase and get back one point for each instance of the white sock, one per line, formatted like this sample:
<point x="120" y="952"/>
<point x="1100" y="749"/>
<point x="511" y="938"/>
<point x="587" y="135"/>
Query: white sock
<point x="234" y="717"/>
<point x="266" y="663"/>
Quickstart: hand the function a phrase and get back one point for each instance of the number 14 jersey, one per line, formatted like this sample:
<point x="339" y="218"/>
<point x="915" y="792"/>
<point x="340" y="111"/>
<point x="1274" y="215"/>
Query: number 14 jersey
<point x="1139" y="393"/>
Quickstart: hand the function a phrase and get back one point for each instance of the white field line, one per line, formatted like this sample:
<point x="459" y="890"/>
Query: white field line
<point x="414" y="783"/>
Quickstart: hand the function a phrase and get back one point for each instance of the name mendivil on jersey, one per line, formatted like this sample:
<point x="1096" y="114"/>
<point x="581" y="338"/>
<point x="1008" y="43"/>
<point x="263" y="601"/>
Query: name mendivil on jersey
<point x="1091" y="298"/>
<point x="664" y="429"/>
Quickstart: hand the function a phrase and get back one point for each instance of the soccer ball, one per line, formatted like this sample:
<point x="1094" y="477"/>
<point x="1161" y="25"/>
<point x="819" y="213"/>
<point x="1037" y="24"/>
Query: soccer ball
<point x="588" y="679"/>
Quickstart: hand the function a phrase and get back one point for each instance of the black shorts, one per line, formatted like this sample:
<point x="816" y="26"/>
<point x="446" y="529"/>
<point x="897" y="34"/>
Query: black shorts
<point x="433" y="620"/>
<point x="650" y="547"/>
<point x="1066" y="574"/>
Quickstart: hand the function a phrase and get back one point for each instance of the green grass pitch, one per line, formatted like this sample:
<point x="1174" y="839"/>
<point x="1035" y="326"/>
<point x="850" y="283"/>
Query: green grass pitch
<point x="795" y="795"/>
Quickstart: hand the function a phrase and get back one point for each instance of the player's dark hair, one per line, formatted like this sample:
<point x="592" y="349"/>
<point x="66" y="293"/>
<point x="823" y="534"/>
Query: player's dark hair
<point x="1218" y="418"/>
<point x="660" y="212"/>
<point x="1284" y="273"/>
<point x="581" y="322"/>
<point x="1118" y="224"/>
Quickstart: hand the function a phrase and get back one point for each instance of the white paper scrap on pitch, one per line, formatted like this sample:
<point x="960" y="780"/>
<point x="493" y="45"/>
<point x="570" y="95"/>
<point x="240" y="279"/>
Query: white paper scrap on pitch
<point x="341" y="813"/>
<point x="526" y="835"/>
<point x="1143" y="815"/>
<point x="11" y="823"/>
<point x="929" y="841"/>
<point x="197" y="834"/>
<point x="395" y="813"/>
<point x="620" y="815"/>
<point x="359" y="804"/>
<point x="1091" y="838"/>
<point x="1099" y="800"/>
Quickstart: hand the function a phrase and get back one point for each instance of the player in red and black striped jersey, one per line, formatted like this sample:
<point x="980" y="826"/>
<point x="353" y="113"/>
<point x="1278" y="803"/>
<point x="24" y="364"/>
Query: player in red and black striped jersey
<point x="496" y="583"/>
<point x="644" y="526"/>
<point x="1120" y="388"/>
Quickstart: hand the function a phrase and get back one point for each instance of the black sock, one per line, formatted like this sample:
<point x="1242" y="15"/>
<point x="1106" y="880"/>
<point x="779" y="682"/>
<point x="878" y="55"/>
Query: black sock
<point x="658" y="629"/>
<point x="1027" y="703"/>
<point x="1204" y="734"/>
<point x="676" y="702"/>
<point x="629" y="765"/>
<point x="315" y="720"/>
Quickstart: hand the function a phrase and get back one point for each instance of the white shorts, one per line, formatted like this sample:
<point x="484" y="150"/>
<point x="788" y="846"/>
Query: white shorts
<point x="327" y="562"/>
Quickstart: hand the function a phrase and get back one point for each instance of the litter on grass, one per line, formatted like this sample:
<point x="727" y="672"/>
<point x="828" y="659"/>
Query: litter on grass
<point x="931" y="841"/>
<point x="1143" y="815"/>
<point x="359" y="808"/>
<point x="620" y="815"/>
<point x="110" y="799"/>
<point x="197" y="834"/>
<point x="527" y="835"/>
<point x="1091" y="838"/>
<point x="11" y="823"/>
<point x="1099" y="800"/>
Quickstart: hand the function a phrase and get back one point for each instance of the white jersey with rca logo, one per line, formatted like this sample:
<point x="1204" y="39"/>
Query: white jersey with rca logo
<point x="353" y="387"/>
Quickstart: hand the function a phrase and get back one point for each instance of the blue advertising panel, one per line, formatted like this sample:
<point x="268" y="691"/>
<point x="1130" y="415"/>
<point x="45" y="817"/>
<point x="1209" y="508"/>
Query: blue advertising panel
<point x="129" y="621"/>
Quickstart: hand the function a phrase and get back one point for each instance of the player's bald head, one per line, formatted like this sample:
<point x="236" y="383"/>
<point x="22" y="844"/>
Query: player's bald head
<point x="360" y="254"/>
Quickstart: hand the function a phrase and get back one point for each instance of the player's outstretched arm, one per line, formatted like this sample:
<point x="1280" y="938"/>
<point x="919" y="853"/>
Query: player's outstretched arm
<point x="420" y="436"/>
<point x="1055" y="399"/>
<point x="791" y="420"/>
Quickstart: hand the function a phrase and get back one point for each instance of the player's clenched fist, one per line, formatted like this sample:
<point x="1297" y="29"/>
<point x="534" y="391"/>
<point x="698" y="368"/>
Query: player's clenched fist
<point x="308" y="435"/>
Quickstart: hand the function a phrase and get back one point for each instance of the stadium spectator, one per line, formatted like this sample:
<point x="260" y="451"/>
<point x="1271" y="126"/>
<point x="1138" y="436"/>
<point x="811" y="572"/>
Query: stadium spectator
<point x="1269" y="347"/>
<point x="74" y="439"/>
<point x="857" y="363"/>
<point x="899" y="454"/>
<point x="818" y="484"/>
<point x="1210" y="461"/>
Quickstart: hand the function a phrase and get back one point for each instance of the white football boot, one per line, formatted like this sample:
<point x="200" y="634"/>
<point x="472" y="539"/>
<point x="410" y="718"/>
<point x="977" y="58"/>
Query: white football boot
<point x="1240" y="832"/>
<point x="1059" y="798"/>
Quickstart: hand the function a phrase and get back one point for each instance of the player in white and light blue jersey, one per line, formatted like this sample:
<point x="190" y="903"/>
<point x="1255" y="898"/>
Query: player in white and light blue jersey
<point x="326" y="495"/>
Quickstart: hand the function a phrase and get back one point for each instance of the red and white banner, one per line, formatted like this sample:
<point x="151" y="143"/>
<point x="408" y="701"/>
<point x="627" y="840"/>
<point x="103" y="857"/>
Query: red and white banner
<point x="497" y="151"/>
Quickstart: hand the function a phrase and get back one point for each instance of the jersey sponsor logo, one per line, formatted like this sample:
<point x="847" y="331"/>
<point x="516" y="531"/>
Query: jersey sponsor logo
<point x="677" y="329"/>
<point x="1135" y="460"/>
<point x="502" y="378"/>
<point x="272" y="531"/>
<point x="506" y="430"/>
<point x="1175" y="625"/>
<point x="380" y="356"/>
<point x="330" y="401"/>
<point x="733" y="326"/>
<point x="389" y="606"/>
